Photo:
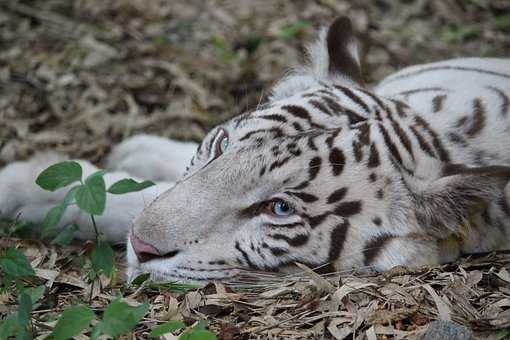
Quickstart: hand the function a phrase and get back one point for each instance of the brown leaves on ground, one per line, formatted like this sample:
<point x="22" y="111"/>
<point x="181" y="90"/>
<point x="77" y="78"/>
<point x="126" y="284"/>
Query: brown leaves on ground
<point x="79" y="76"/>
<point x="399" y="304"/>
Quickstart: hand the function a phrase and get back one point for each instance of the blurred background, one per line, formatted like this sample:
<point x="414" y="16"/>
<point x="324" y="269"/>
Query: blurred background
<point x="79" y="76"/>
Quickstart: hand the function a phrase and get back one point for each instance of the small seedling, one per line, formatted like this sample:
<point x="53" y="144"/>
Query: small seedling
<point x="90" y="196"/>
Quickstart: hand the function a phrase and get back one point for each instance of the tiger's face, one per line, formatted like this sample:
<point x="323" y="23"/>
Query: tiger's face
<point x="268" y="189"/>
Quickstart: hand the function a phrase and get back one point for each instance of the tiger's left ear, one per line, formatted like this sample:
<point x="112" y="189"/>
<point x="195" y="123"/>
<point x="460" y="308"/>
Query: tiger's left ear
<point x="333" y="59"/>
<point x="342" y="49"/>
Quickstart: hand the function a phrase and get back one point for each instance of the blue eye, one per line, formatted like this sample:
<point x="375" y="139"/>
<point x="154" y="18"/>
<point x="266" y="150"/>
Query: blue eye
<point x="224" y="144"/>
<point x="281" y="208"/>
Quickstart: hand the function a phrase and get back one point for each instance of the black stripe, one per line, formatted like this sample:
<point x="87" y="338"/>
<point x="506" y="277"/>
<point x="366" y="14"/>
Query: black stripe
<point x="400" y="106"/>
<point x="352" y="96"/>
<point x="348" y="209"/>
<point x="288" y="225"/>
<point x="357" y="148"/>
<point x="374" y="247"/>
<point x="373" y="159"/>
<point x="301" y="185"/>
<point x="478" y="118"/>
<point x="437" y="102"/>
<point x="314" y="221"/>
<point x="276" y="131"/>
<point x="338" y="237"/>
<point x="376" y="99"/>
<point x="337" y="161"/>
<point x="420" y="90"/>
<point x="404" y="139"/>
<point x="245" y="256"/>
<point x="424" y="145"/>
<point x="436" y="142"/>
<point x="302" y="113"/>
<point x="337" y="195"/>
<point x="314" y="167"/>
<point x="305" y="197"/>
<point x="278" y="251"/>
<point x="505" y="101"/>
<point x="393" y="149"/>
<point x="297" y="126"/>
<point x="321" y="107"/>
<point x="275" y="117"/>
<point x="331" y="138"/>
<point x="279" y="163"/>
<point x="333" y="105"/>
<point x="353" y="117"/>
<point x="296" y="241"/>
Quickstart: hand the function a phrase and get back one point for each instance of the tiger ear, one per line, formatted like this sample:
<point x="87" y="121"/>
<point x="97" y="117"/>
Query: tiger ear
<point x="448" y="202"/>
<point x="343" y="53"/>
<point x="335" y="57"/>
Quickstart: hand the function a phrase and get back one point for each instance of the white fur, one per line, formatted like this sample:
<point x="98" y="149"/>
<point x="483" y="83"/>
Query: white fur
<point x="140" y="157"/>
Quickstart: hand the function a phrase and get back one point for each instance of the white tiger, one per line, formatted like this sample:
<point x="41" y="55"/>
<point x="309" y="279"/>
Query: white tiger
<point x="328" y="173"/>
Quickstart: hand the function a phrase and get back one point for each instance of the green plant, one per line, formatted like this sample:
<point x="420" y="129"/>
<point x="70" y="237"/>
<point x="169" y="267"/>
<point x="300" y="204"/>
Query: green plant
<point x="90" y="196"/>
<point x="119" y="317"/>
<point x="199" y="332"/>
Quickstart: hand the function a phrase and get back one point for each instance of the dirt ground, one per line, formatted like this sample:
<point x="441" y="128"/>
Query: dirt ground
<point x="79" y="76"/>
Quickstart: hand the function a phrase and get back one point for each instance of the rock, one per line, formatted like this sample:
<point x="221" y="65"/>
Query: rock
<point x="447" y="330"/>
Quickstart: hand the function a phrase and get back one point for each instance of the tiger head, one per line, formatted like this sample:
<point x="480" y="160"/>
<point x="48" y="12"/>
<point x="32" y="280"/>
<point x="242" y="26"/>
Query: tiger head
<point x="306" y="178"/>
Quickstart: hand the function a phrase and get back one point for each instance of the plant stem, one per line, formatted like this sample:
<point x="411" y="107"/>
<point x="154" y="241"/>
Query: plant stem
<point x="96" y="232"/>
<point x="91" y="290"/>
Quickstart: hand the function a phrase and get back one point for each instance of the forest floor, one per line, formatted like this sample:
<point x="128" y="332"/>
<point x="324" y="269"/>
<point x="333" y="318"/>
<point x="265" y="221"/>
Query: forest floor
<point x="80" y="76"/>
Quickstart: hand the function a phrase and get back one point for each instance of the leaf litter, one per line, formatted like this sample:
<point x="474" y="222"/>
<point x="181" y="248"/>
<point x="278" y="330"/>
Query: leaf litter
<point x="79" y="77"/>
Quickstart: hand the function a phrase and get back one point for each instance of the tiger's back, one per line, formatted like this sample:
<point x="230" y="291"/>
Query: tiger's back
<point x="465" y="100"/>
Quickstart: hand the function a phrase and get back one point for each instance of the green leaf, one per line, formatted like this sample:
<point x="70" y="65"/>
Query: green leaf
<point x="140" y="279"/>
<point x="127" y="185"/>
<point x="59" y="175"/>
<point x="24" y="309"/>
<point x="119" y="317"/>
<point x="15" y="264"/>
<point x="503" y="22"/>
<point x="503" y="334"/>
<point x="35" y="293"/>
<point x="66" y="236"/>
<point x="53" y="217"/>
<point x="91" y="196"/>
<point x="102" y="258"/>
<point x="168" y="327"/>
<point x="96" y="331"/>
<point x="198" y="334"/>
<point x="9" y="326"/>
<point x="72" y="322"/>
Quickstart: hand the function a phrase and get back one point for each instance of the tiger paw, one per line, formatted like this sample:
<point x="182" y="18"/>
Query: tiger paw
<point x="152" y="157"/>
<point x="18" y="188"/>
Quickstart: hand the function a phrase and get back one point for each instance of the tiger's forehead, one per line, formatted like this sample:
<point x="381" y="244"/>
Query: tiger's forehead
<point x="318" y="108"/>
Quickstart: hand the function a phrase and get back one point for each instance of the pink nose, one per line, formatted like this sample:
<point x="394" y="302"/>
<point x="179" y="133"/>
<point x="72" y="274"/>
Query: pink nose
<point x="143" y="250"/>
